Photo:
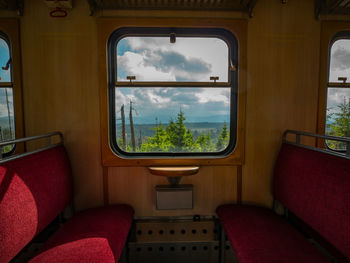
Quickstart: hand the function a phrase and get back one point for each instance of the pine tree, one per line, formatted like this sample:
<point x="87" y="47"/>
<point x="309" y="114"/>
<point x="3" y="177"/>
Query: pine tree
<point x="223" y="139"/>
<point x="159" y="142"/>
<point x="180" y="138"/>
<point x="205" y="143"/>
<point x="340" y="125"/>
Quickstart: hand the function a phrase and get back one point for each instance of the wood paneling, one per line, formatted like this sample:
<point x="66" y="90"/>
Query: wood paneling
<point x="135" y="186"/>
<point x="61" y="92"/>
<point x="283" y="59"/>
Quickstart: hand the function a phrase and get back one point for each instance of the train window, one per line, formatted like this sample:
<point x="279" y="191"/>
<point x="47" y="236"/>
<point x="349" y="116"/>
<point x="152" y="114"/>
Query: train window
<point x="338" y="91"/>
<point x="7" y="122"/>
<point x="172" y="91"/>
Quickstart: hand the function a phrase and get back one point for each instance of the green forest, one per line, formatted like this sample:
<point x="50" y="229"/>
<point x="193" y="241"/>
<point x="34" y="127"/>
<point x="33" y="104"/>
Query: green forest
<point x="6" y="135"/>
<point x="176" y="137"/>
<point x="338" y="124"/>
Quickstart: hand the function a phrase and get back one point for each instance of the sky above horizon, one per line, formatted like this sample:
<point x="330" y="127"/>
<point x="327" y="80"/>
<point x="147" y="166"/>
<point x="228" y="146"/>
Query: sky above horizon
<point x="188" y="59"/>
<point x="5" y="76"/>
<point x="339" y="67"/>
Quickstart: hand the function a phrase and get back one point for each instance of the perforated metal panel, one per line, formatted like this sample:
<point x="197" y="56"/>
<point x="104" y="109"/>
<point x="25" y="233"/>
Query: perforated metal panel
<point x="177" y="240"/>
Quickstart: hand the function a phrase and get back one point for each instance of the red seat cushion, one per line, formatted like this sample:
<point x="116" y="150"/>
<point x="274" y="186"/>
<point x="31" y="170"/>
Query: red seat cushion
<point x="95" y="235"/>
<point x="258" y="235"/>
<point x="315" y="186"/>
<point x="92" y="250"/>
<point x="33" y="190"/>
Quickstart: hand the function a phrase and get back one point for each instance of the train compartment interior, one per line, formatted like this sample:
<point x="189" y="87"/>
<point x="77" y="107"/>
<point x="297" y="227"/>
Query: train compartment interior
<point x="139" y="131"/>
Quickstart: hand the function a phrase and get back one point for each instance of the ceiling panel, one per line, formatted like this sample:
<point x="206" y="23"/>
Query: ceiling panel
<point x="332" y="7"/>
<point x="217" y="5"/>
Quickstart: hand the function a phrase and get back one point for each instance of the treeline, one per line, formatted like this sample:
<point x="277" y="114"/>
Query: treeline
<point x="6" y="134"/>
<point x="176" y="137"/>
<point x="339" y="125"/>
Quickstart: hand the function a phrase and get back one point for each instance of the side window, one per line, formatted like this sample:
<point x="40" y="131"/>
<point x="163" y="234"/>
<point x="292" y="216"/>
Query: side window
<point x="338" y="90"/>
<point x="173" y="92"/>
<point x="7" y="121"/>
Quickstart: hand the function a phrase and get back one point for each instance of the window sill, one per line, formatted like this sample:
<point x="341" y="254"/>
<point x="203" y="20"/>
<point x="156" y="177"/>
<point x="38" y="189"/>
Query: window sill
<point x="173" y="171"/>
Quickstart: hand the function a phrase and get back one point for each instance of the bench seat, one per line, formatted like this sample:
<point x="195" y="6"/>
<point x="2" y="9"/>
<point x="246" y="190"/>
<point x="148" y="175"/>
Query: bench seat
<point x="258" y="235"/>
<point x="95" y="235"/>
<point x="34" y="190"/>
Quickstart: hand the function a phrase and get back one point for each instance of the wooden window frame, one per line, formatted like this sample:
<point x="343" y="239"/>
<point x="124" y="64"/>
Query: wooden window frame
<point x="10" y="27"/>
<point x="329" y="29"/>
<point x="106" y="26"/>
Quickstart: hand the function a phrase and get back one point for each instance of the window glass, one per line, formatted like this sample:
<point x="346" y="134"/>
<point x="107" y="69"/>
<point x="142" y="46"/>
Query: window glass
<point x="173" y="119"/>
<point x="338" y="94"/>
<point x="5" y="65"/>
<point x="157" y="59"/>
<point x="183" y="99"/>
<point x="7" y="122"/>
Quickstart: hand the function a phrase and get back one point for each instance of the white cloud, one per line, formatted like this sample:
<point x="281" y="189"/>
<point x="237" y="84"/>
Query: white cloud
<point x="150" y="59"/>
<point x="340" y="60"/>
<point x="199" y="104"/>
<point x="335" y="97"/>
<point x="134" y="64"/>
<point x="214" y="94"/>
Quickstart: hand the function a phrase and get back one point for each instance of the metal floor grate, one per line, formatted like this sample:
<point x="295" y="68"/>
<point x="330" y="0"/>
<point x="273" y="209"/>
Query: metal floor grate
<point x="175" y="241"/>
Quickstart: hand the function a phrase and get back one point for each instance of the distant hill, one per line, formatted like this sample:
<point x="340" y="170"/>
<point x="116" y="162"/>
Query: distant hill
<point x="189" y="119"/>
<point x="197" y="128"/>
<point x="4" y="122"/>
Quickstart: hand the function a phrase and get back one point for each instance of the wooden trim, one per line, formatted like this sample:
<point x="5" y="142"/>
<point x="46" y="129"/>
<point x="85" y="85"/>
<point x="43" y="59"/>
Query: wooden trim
<point x="106" y="26"/>
<point x="175" y="171"/>
<point x="10" y="26"/>
<point x="105" y="186"/>
<point x="239" y="184"/>
<point x="328" y="30"/>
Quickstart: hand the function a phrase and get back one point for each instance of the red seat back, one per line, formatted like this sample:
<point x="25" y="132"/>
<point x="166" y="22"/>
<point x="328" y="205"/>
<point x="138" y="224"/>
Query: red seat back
<point x="315" y="186"/>
<point x="33" y="191"/>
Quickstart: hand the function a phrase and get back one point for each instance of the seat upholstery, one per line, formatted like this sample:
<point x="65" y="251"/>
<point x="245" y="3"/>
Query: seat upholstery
<point x="315" y="186"/>
<point x="312" y="185"/>
<point x="257" y="235"/>
<point x="95" y="235"/>
<point x="33" y="191"/>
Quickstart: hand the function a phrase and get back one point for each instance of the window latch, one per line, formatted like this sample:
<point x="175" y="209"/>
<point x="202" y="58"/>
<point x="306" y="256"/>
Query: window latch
<point x="232" y="66"/>
<point x="215" y="78"/>
<point x="343" y="79"/>
<point x="131" y="78"/>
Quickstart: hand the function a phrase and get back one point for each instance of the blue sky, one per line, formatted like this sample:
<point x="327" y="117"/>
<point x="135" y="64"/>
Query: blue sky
<point x="189" y="59"/>
<point x="5" y="77"/>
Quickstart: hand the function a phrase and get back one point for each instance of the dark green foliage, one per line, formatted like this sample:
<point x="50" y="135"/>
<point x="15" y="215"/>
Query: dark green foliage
<point x="223" y="139"/>
<point x="158" y="143"/>
<point x="176" y="137"/>
<point x="6" y="135"/>
<point x="339" y="125"/>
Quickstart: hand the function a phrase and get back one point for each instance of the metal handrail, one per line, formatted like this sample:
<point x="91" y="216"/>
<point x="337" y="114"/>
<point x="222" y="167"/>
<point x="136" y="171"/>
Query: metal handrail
<point x="49" y="145"/>
<point x="297" y="142"/>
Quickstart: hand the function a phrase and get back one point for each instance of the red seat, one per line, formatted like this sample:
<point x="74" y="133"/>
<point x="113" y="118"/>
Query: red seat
<point x="314" y="186"/>
<point x="95" y="235"/>
<point x="33" y="191"/>
<point x="258" y="235"/>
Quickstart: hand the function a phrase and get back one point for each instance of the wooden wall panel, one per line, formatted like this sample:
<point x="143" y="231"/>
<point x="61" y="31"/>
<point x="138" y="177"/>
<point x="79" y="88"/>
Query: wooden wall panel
<point x="60" y="89"/>
<point x="135" y="186"/>
<point x="61" y="92"/>
<point x="283" y="64"/>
